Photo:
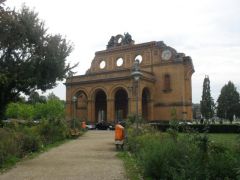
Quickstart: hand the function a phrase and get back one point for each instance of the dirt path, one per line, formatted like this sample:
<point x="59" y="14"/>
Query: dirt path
<point x="91" y="157"/>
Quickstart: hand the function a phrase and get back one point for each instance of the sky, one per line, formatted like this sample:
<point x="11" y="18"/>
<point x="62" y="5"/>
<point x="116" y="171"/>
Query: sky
<point x="206" y="30"/>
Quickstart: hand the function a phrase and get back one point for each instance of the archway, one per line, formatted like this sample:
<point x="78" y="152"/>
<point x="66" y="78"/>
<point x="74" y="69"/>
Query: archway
<point x="100" y="106"/>
<point x="145" y="104"/>
<point x="121" y="105"/>
<point x="81" y="105"/>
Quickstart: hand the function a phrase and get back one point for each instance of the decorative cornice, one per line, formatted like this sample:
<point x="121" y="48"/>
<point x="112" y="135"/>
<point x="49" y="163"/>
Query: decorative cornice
<point x="127" y="47"/>
<point x="107" y="80"/>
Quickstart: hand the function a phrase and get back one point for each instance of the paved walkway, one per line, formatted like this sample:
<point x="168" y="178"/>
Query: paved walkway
<point x="90" y="157"/>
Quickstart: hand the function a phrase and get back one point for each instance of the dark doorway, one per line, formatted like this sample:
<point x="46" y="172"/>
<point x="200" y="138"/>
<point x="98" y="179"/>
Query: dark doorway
<point x="145" y="104"/>
<point x="100" y="106"/>
<point x="121" y="105"/>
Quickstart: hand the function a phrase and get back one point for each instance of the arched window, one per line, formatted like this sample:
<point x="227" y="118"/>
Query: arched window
<point x="167" y="83"/>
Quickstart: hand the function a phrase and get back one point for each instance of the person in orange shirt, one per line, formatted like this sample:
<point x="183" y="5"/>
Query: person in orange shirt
<point x="84" y="125"/>
<point x="119" y="136"/>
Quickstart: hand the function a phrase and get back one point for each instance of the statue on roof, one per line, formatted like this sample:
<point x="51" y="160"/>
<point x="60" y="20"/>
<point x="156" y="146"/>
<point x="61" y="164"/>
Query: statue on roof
<point x="111" y="42"/>
<point x="127" y="38"/>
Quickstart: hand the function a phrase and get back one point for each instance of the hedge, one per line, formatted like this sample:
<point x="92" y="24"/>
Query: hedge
<point x="212" y="128"/>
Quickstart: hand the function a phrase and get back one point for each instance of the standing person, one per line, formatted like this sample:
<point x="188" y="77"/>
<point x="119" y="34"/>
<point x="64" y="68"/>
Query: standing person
<point x="119" y="136"/>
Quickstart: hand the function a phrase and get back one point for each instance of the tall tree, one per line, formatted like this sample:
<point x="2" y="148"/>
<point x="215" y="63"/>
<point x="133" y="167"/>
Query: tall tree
<point x="34" y="98"/>
<point x="207" y="103"/>
<point x="228" y="102"/>
<point x="30" y="58"/>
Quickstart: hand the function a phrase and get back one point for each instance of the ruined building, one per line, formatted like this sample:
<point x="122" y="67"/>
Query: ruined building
<point x="109" y="92"/>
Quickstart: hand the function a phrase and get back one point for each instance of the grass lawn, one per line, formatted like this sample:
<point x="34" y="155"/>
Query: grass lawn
<point x="227" y="139"/>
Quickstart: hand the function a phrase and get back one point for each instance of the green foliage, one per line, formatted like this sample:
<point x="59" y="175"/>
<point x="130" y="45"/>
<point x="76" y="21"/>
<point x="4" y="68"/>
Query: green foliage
<point x="34" y="98"/>
<point x="13" y="110"/>
<point x="207" y="103"/>
<point x="191" y="156"/>
<point x="53" y="108"/>
<point x="20" y="111"/>
<point x="132" y="171"/>
<point x="30" y="58"/>
<point x="16" y="143"/>
<point x="53" y="129"/>
<point x="52" y="96"/>
<point x="174" y="124"/>
<point x="8" y="147"/>
<point x="28" y="140"/>
<point x="228" y="102"/>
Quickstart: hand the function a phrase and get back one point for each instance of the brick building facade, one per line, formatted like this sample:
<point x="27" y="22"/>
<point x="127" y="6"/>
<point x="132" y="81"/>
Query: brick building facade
<point x="108" y="92"/>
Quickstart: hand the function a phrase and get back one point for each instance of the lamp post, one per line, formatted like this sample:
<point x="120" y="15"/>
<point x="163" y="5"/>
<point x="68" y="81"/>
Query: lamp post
<point x="74" y="99"/>
<point x="136" y="74"/>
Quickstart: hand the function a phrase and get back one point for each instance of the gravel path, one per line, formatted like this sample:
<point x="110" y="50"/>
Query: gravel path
<point x="90" y="157"/>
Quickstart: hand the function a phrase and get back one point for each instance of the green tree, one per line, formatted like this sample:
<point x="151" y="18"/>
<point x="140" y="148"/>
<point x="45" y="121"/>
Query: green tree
<point x="52" y="109"/>
<point x="30" y="58"/>
<point x="52" y="96"/>
<point x="207" y="103"/>
<point x="34" y="98"/>
<point x="228" y="102"/>
<point x="20" y="111"/>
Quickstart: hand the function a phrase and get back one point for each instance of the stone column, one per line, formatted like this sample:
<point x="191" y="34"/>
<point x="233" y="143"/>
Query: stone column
<point x="92" y="111"/>
<point x="89" y="111"/>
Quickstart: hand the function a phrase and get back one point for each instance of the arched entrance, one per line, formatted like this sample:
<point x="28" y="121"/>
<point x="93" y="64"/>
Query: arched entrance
<point x="81" y="105"/>
<point x="100" y="106"/>
<point x="121" y="105"/>
<point x="145" y="104"/>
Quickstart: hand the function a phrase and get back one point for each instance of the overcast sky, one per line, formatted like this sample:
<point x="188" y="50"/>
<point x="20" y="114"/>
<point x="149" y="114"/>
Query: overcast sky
<point x="206" y="30"/>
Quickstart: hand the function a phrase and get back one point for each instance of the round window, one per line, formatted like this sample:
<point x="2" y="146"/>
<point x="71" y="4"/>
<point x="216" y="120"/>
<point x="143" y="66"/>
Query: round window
<point x="102" y="64"/>
<point x="119" y="62"/>
<point x="139" y="57"/>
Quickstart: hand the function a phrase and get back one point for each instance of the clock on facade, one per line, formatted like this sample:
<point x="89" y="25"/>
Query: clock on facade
<point x="166" y="54"/>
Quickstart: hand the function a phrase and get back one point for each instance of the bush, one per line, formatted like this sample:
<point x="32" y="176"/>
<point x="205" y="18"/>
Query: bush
<point x="212" y="128"/>
<point x="192" y="156"/>
<point x="20" y="111"/>
<point x="28" y="141"/>
<point x="8" y="146"/>
<point x="52" y="109"/>
<point x="12" y="110"/>
<point x="52" y="130"/>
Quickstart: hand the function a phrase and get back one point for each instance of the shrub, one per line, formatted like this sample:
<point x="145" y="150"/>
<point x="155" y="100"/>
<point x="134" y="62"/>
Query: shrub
<point x="20" y="111"/>
<point x="191" y="156"/>
<point x="52" y="130"/>
<point x="164" y="158"/>
<point x="28" y="141"/>
<point x="8" y="146"/>
<point x="12" y="110"/>
<point x="52" y="109"/>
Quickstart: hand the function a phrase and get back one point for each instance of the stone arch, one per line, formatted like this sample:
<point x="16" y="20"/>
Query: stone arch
<point x="121" y="103"/>
<point x="99" y="97"/>
<point x="95" y="90"/>
<point x="117" y="87"/>
<point x="146" y="99"/>
<point x="80" y="89"/>
<point x="81" y="105"/>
